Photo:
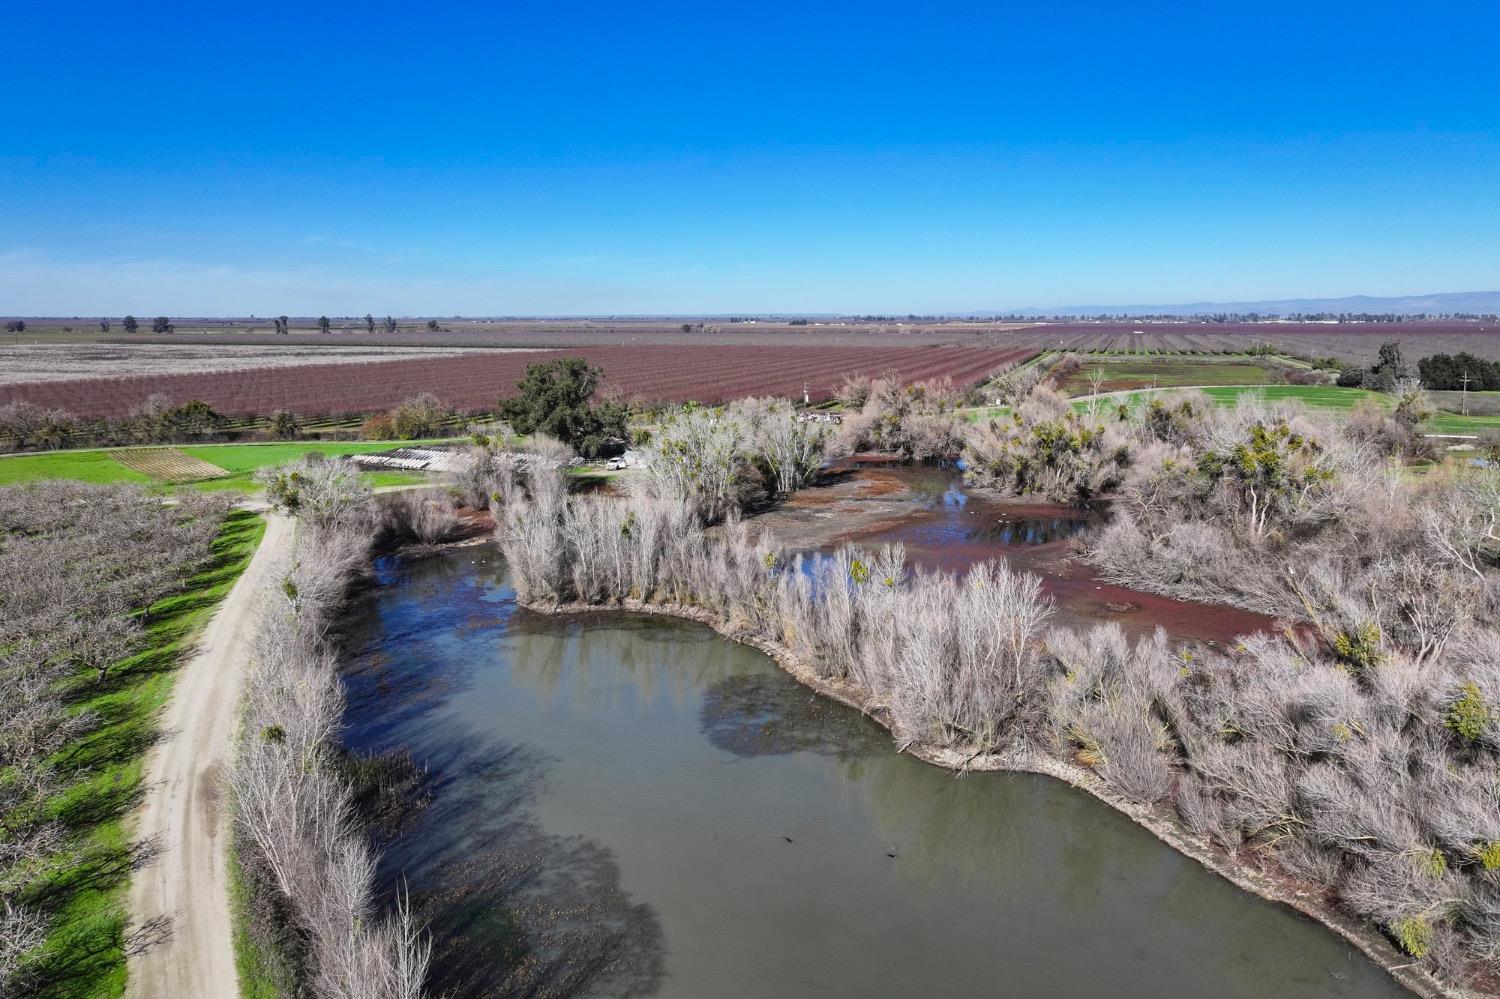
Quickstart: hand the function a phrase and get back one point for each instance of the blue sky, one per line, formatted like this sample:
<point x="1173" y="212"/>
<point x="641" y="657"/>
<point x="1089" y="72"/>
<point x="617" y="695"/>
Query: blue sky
<point x="680" y="158"/>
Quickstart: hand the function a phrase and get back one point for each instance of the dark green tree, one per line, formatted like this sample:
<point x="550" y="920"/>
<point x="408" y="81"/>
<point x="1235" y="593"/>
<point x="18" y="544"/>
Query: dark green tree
<point x="1390" y="368"/>
<point x="554" y="398"/>
<point x="194" y="418"/>
<point x="130" y="324"/>
<point x="323" y="323"/>
<point x="285" y="426"/>
<point x="161" y="324"/>
<point x="369" y="323"/>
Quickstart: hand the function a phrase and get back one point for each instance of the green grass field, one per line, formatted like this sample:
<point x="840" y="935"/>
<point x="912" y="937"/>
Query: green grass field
<point x="1324" y="398"/>
<point x="86" y="466"/>
<point x="1123" y="373"/>
<point x="85" y="957"/>
<point x="1332" y="399"/>
<point x="240" y="460"/>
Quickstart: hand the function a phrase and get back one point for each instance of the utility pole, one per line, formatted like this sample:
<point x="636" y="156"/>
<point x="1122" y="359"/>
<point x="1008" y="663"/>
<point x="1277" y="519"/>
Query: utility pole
<point x="1463" y="406"/>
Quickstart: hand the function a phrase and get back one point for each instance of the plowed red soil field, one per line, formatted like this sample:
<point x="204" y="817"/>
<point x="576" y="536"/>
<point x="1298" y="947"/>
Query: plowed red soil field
<point x="708" y="374"/>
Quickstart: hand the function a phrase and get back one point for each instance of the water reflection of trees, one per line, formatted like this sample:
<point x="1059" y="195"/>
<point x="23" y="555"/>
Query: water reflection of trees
<point x="605" y="656"/>
<point x="516" y="911"/>
<point x="1019" y="833"/>
<point x="769" y="713"/>
<point x="512" y="909"/>
<point x="397" y="632"/>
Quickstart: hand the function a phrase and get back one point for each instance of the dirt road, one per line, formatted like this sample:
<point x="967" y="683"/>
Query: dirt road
<point x="184" y="806"/>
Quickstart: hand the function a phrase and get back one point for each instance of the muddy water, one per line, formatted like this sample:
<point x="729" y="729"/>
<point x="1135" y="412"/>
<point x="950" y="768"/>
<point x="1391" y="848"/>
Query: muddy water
<point x="947" y="526"/>
<point x="627" y="806"/>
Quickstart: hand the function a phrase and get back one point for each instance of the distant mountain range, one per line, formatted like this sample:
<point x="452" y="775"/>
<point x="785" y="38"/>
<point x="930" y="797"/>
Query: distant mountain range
<point x="1440" y="302"/>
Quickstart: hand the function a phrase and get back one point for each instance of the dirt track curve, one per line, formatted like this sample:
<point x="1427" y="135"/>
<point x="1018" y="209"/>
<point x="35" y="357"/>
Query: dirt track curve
<point x="184" y="807"/>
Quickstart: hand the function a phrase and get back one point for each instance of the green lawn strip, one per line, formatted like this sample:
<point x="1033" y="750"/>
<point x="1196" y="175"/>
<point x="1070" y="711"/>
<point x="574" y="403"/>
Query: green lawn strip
<point x="259" y="971"/>
<point x="84" y="957"/>
<point x="240" y="460"/>
<point x="243" y="460"/>
<point x="86" y="466"/>
<point x="249" y="457"/>
<point x="980" y="414"/>
<point x="1452" y="423"/>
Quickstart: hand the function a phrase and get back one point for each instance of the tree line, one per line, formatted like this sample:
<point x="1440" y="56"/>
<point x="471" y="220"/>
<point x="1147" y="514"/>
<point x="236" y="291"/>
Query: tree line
<point x="81" y="569"/>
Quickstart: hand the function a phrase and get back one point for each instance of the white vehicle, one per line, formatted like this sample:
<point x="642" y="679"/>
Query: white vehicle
<point x="615" y="464"/>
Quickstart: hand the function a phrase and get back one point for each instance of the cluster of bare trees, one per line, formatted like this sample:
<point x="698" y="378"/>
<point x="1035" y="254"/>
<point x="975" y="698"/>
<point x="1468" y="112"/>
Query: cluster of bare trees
<point x="328" y="492"/>
<point x="720" y="461"/>
<point x="416" y="515"/>
<point x="950" y="658"/>
<point x="915" y="420"/>
<point x="25" y="426"/>
<point x="494" y="468"/>
<point x="294" y="809"/>
<point x="1358" y="750"/>
<point x="80" y="568"/>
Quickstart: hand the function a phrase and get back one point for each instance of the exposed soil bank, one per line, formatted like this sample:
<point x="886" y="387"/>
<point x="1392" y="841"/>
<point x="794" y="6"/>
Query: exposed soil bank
<point x="1304" y="898"/>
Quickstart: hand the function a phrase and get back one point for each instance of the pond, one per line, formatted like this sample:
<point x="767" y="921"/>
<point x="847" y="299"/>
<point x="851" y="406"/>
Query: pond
<point x="636" y="806"/>
<point x="946" y="525"/>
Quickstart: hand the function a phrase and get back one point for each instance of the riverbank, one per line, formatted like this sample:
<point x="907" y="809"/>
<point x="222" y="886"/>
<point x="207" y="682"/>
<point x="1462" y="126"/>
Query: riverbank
<point x="1303" y="898"/>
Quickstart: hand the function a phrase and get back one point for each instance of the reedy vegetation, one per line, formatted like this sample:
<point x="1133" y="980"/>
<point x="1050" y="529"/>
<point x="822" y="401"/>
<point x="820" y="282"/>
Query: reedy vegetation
<point x="294" y="809"/>
<point x="80" y="568"/>
<point x="1358" y="750"/>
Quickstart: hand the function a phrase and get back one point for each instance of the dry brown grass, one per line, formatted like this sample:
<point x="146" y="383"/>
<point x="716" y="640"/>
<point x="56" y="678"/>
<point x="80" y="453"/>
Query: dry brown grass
<point x="168" y="464"/>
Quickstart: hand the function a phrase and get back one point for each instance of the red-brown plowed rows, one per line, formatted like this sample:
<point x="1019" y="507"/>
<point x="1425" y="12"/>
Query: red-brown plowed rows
<point x="476" y="381"/>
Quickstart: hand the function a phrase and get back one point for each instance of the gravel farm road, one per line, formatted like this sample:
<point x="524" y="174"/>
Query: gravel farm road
<point x="184" y="808"/>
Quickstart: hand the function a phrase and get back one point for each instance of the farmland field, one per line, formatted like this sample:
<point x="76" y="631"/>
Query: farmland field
<point x="476" y="381"/>
<point x="47" y="361"/>
<point x="167" y="464"/>
<point x="236" y="463"/>
<point x="1339" y="401"/>
<point x="1350" y="342"/>
<point x="1122" y="373"/>
<point x="1323" y="398"/>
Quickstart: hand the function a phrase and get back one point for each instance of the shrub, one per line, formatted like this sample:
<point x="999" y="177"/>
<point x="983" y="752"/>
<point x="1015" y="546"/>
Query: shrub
<point x="379" y="427"/>
<point x="294" y="808"/>
<point x="285" y="426"/>
<point x="323" y="492"/>
<point x="1468" y="715"/>
<point x="1414" y="934"/>
<point x="1050" y="449"/>
<point x="422" y="415"/>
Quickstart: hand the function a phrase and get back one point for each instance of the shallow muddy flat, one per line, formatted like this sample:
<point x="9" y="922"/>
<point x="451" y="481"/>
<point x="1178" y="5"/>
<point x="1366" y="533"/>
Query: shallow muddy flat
<point x="946" y="526"/>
